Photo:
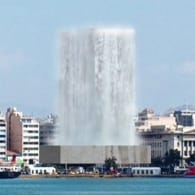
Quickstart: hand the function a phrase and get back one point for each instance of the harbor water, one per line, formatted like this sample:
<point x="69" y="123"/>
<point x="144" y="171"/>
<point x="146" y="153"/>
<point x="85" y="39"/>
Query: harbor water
<point x="97" y="186"/>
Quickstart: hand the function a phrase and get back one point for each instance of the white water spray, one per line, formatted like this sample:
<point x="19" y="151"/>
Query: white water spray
<point x="96" y="102"/>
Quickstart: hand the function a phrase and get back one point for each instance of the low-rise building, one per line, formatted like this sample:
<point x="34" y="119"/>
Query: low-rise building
<point x="41" y="170"/>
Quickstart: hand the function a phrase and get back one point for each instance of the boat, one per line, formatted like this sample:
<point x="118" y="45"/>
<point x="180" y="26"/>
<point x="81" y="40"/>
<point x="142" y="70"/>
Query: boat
<point x="9" y="170"/>
<point x="7" y="174"/>
<point x="190" y="172"/>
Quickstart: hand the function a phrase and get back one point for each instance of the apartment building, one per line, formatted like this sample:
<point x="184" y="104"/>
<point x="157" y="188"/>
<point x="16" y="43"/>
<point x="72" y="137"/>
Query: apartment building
<point x="3" y="137"/>
<point x="23" y="135"/>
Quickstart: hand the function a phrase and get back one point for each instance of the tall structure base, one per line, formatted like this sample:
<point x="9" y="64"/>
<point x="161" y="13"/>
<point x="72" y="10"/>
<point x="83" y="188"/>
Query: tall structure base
<point x="132" y="155"/>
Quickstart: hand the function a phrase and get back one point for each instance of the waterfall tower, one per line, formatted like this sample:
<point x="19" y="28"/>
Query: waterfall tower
<point x="96" y="92"/>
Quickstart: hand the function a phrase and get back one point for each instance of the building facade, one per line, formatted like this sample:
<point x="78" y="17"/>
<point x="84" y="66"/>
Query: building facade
<point x="125" y="155"/>
<point x="3" y="138"/>
<point x="23" y="135"/>
<point x="163" y="133"/>
<point x="161" y="142"/>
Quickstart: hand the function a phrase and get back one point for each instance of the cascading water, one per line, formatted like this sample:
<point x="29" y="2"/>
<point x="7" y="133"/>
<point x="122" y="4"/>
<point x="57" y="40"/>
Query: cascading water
<point x="96" y="95"/>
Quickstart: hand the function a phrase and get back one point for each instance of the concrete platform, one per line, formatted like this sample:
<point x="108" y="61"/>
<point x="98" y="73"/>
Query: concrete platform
<point x="95" y="154"/>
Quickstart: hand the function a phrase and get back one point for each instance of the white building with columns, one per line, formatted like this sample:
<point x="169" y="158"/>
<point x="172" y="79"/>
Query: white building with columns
<point x="163" y="133"/>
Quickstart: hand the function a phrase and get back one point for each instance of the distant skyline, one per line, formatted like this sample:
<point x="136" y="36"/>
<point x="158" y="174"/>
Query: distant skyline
<point x="29" y="35"/>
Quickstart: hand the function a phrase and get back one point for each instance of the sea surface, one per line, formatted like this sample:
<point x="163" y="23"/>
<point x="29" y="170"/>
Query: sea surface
<point x="97" y="186"/>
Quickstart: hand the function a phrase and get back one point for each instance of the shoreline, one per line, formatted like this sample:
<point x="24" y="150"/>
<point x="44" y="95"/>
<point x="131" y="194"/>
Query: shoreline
<point x="99" y="176"/>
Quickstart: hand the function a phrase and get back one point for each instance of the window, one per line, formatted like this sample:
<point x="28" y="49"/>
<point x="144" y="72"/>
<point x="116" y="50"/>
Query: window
<point x="2" y="130"/>
<point x="31" y="126"/>
<point x="151" y="172"/>
<point x="25" y="148"/>
<point x="30" y="131"/>
<point x="32" y="154"/>
<point x="31" y="143"/>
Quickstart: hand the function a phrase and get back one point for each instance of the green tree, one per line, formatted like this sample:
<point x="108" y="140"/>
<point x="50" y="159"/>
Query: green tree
<point x="111" y="164"/>
<point x="172" y="158"/>
<point x="158" y="161"/>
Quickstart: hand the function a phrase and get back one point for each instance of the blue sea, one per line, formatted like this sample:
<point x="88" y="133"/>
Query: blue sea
<point x="97" y="186"/>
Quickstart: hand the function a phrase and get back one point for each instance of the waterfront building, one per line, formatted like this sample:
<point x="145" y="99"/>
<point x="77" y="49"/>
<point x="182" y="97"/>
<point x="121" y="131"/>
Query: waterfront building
<point x="3" y="141"/>
<point x="146" y="171"/>
<point x="38" y="169"/>
<point x="95" y="155"/>
<point x="23" y="135"/>
<point x="163" y="133"/>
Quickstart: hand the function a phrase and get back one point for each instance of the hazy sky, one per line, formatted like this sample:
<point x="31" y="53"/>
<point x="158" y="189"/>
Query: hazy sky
<point x="165" y="48"/>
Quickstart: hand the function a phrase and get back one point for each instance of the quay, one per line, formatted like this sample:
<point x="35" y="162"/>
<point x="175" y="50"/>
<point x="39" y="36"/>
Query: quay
<point x="101" y="176"/>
